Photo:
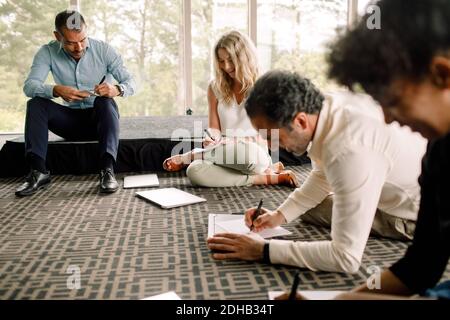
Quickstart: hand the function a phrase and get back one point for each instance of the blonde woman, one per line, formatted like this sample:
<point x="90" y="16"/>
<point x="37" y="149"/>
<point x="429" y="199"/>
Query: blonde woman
<point x="237" y="155"/>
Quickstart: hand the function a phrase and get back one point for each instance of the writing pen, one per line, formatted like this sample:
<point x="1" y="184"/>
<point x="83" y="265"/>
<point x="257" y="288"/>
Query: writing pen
<point x="293" y="293"/>
<point x="257" y="213"/>
<point x="209" y="135"/>
<point x="92" y="92"/>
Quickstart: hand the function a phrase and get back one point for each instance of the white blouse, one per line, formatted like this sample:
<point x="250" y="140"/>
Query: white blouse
<point x="234" y="121"/>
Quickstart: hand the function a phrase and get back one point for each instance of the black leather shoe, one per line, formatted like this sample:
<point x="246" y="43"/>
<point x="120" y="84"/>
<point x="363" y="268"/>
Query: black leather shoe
<point x="34" y="181"/>
<point x="108" y="182"/>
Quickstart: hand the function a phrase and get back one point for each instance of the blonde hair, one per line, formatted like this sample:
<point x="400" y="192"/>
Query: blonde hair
<point x="243" y="54"/>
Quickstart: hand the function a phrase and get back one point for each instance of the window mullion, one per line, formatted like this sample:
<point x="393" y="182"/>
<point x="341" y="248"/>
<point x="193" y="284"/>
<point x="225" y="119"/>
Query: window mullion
<point x="74" y="4"/>
<point x="187" y="46"/>
<point x="253" y="20"/>
<point x="352" y="12"/>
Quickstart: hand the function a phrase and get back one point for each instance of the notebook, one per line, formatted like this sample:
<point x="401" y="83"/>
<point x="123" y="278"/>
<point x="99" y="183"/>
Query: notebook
<point x="141" y="181"/>
<point x="168" y="198"/>
<point x="234" y="223"/>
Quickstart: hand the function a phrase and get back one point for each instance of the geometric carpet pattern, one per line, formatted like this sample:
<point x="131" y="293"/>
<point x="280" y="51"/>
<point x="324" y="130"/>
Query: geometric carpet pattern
<point x="123" y="247"/>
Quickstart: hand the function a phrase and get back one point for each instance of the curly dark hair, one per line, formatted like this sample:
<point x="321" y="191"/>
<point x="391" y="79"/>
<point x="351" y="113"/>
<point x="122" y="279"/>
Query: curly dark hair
<point x="281" y="95"/>
<point x="412" y="33"/>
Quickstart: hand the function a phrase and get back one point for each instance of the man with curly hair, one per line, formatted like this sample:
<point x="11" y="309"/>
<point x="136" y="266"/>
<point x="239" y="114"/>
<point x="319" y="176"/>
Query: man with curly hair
<point x="405" y="66"/>
<point x="364" y="175"/>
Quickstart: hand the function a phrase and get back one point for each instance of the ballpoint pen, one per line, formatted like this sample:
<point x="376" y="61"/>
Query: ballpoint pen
<point x="92" y="92"/>
<point x="209" y="135"/>
<point x="257" y="213"/>
<point x="293" y="293"/>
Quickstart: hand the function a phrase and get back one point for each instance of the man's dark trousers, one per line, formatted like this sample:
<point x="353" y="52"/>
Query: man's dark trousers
<point x="98" y="123"/>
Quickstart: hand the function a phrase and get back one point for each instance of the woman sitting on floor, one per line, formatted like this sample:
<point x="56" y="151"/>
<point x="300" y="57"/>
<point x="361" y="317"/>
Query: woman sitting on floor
<point x="237" y="156"/>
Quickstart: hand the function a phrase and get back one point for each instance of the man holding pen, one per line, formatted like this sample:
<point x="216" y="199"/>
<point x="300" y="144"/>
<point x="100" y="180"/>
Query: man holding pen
<point x="82" y="69"/>
<point x="364" y="177"/>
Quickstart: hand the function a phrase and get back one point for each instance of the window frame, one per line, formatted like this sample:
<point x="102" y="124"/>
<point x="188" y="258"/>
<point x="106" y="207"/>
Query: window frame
<point x="252" y="7"/>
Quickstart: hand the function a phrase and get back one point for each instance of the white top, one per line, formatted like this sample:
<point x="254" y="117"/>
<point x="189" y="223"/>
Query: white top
<point x="366" y="164"/>
<point x="234" y="121"/>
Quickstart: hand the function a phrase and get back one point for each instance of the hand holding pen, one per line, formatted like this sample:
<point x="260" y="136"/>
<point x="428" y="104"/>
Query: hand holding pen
<point x="256" y="214"/>
<point x="210" y="140"/>
<point x="292" y="294"/>
<point x="105" y="89"/>
<point x="97" y="87"/>
<point x="258" y="220"/>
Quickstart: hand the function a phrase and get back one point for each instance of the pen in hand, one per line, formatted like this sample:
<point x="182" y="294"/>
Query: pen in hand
<point x="209" y="135"/>
<point x="93" y="92"/>
<point x="257" y="213"/>
<point x="293" y="293"/>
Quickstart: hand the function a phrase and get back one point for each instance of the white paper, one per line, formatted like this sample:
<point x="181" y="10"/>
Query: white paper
<point x="234" y="226"/>
<point x="170" y="197"/>
<point x="164" y="296"/>
<point x="209" y="148"/>
<point x="310" y="294"/>
<point x="225" y="223"/>
<point x="92" y="93"/>
<point x="140" y="181"/>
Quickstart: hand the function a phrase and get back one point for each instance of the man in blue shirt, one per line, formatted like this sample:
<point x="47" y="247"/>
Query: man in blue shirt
<point x="83" y="69"/>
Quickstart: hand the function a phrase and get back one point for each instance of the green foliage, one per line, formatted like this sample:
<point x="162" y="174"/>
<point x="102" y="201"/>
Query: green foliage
<point x="311" y="65"/>
<point x="148" y="35"/>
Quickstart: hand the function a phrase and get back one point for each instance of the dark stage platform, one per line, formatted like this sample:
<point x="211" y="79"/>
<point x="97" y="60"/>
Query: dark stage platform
<point x="144" y="144"/>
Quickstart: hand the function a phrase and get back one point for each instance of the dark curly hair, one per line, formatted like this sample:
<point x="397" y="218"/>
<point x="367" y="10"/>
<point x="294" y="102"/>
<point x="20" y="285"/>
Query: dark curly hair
<point x="281" y="95"/>
<point x="412" y="33"/>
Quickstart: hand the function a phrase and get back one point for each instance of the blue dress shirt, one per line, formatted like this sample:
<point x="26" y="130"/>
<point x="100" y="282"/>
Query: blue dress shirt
<point x="99" y="60"/>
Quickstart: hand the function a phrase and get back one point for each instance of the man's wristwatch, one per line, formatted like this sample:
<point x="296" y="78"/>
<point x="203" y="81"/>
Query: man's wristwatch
<point x="266" y="253"/>
<point x="120" y="88"/>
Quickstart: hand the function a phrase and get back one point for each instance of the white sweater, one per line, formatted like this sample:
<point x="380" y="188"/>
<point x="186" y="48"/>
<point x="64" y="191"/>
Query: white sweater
<point x="366" y="164"/>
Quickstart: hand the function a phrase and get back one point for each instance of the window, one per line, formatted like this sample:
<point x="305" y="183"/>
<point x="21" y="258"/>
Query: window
<point x="362" y="6"/>
<point x="146" y="33"/>
<point x="290" y="37"/>
<point x="151" y="35"/>
<point x="210" y="19"/>
<point x="24" y="27"/>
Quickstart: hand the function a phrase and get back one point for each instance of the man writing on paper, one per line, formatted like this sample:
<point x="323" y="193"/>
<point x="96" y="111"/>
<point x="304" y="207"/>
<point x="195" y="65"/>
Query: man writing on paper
<point x="364" y="163"/>
<point x="78" y="65"/>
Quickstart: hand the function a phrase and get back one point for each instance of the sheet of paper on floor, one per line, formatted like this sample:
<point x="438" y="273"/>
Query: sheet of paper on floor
<point x="171" y="295"/>
<point x="310" y="294"/>
<point x="238" y="226"/>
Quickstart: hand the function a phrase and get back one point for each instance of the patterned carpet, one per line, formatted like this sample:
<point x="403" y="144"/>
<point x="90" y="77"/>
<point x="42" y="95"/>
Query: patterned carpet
<point x="126" y="248"/>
